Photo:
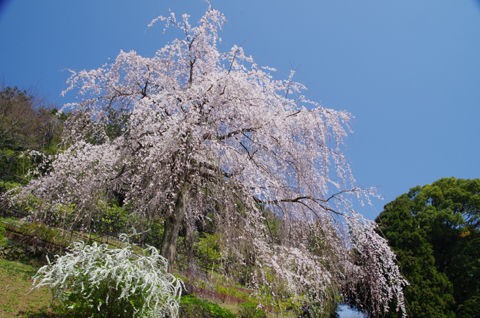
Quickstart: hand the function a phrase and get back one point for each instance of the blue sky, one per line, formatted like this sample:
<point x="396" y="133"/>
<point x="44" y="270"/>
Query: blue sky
<point x="409" y="70"/>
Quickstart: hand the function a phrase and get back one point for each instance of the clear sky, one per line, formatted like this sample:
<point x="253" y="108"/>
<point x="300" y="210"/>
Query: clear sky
<point x="408" y="70"/>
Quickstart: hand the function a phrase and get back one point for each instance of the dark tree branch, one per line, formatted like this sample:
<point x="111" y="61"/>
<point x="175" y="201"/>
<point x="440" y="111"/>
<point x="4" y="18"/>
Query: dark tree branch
<point x="237" y="132"/>
<point x="294" y="114"/>
<point x="301" y="200"/>
<point x="231" y="64"/>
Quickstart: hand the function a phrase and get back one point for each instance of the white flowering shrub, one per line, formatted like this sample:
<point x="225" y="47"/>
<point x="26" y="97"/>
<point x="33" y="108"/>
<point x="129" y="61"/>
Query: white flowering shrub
<point x="96" y="281"/>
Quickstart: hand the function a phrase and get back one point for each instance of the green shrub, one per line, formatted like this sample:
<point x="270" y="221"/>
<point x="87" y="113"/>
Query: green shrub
<point x="8" y="185"/>
<point x="207" y="250"/>
<point x="233" y="291"/>
<point x="154" y="233"/>
<point x="3" y="238"/>
<point x="14" y="165"/>
<point x="113" y="220"/>
<point x="470" y="308"/>
<point x="95" y="281"/>
<point x="6" y="250"/>
<point x="40" y="240"/>
<point x="251" y="309"/>
<point x="192" y="307"/>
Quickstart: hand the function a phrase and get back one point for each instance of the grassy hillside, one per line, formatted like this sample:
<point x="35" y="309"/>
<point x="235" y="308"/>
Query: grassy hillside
<point x="17" y="298"/>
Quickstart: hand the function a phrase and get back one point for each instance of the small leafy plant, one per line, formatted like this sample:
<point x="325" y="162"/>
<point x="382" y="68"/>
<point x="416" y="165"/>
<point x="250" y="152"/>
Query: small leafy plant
<point x="207" y="250"/>
<point x="96" y="281"/>
<point x="194" y="307"/>
<point x="250" y="309"/>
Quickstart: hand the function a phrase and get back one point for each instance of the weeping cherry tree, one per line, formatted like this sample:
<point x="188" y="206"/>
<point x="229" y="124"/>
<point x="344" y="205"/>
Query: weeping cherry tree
<point x="194" y="129"/>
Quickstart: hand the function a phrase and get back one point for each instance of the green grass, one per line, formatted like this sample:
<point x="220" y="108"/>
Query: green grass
<point x="16" y="297"/>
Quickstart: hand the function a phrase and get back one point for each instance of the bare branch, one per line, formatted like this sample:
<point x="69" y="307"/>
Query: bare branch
<point x="242" y="131"/>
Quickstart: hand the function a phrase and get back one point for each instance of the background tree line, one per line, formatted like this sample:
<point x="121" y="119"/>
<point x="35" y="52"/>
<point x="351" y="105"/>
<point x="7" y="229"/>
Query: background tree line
<point x="25" y="124"/>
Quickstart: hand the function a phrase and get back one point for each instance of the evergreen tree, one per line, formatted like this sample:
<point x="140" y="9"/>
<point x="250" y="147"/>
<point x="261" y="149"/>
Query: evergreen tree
<point x="435" y="232"/>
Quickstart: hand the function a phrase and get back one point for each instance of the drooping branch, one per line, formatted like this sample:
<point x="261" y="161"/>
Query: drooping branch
<point x="301" y="200"/>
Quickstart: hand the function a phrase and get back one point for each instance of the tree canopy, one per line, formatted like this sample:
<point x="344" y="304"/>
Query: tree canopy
<point x="435" y="232"/>
<point x="194" y="133"/>
<point x="24" y="125"/>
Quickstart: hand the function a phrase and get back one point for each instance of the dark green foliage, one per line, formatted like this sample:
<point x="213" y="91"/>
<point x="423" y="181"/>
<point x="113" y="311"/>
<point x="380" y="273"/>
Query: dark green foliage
<point x="153" y="233"/>
<point x="112" y="221"/>
<point x="192" y="307"/>
<point x="117" y="121"/>
<point x="250" y="309"/>
<point x="14" y="165"/>
<point x="470" y="308"/>
<point x="435" y="232"/>
<point x="3" y="238"/>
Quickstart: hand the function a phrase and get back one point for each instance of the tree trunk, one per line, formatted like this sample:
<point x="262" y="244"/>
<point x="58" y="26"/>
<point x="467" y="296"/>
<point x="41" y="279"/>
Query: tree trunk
<point x="172" y="227"/>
